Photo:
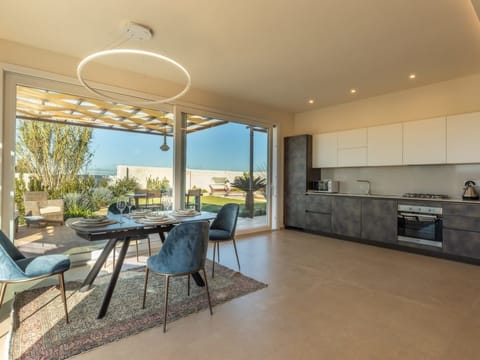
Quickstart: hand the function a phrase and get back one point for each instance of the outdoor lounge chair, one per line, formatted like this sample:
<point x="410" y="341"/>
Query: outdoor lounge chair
<point x="219" y="184"/>
<point x="37" y="205"/>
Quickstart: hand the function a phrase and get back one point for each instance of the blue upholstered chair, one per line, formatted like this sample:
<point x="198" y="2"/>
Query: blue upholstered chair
<point x="15" y="268"/>
<point x="183" y="253"/>
<point x="223" y="229"/>
<point x="114" y="210"/>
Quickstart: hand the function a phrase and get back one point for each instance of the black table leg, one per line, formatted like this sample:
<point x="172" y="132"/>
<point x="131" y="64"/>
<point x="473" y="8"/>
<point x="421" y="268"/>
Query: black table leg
<point x="113" y="279"/>
<point x="87" y="283"/>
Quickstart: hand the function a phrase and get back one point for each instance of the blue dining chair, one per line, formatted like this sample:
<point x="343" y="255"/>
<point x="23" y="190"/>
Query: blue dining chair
<point x="16" y="268"/>
<point x="223" y="229"/>
<point x="183" y="253"/>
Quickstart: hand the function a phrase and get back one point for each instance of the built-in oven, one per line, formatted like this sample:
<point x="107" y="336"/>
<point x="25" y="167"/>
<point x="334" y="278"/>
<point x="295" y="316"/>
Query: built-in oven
<point x="420" y="225"/>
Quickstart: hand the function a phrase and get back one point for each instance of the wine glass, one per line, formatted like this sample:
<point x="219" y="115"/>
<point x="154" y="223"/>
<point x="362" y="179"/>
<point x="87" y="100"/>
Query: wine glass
<point x="121" y="205"/>
<point x="130" y="204"/>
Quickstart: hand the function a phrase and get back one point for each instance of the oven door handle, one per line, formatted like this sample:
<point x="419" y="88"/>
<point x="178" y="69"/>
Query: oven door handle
<point x="420" y="216"/>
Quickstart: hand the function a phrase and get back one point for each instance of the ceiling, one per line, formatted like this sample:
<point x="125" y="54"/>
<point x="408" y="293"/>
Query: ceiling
<point x="274" y="53"/>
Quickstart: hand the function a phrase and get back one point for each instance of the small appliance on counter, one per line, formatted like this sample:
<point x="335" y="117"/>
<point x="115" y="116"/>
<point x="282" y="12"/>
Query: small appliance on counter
<point x="329" y="186"/>
<point x="469" y="192"/>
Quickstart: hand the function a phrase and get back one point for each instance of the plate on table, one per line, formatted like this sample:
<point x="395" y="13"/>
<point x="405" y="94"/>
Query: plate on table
<point x="89" y="224"/>
<point x="155" y="221"/>
<point x="94" y="219"/>
<point x="185" y="212"/>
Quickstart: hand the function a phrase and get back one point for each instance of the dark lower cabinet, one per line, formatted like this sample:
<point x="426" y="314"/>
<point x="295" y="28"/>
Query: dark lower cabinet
<point x="461" y="230"/>
<point x="318" y="222"/>
<point x="347" y="216"/>
<point x="379" y="220"/>
<point x="294" y="210"/>
<point x="462" y="243"/>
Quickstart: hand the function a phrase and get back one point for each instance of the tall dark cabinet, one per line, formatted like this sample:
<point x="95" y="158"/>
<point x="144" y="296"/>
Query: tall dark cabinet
<point x="298" y="173"/>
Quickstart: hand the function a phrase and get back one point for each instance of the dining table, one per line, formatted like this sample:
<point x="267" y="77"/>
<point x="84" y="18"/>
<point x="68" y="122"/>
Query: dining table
<point x="117" y="228"/>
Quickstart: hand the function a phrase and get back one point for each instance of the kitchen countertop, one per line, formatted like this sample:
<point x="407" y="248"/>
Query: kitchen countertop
<point x="398" y="197"/>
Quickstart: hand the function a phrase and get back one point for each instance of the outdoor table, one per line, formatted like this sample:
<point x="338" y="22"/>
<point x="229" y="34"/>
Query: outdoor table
<point x="124" y="231"/>
<point x="137" y="197"/>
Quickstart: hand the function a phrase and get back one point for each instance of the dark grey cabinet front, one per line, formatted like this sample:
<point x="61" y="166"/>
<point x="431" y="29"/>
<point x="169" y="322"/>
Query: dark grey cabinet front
<point x="379" y="220"/>
<point x="297" y="163"/>
<point x="294" y="214"/>
<point x="463" y="243"/>
<point x="347" y="216"/>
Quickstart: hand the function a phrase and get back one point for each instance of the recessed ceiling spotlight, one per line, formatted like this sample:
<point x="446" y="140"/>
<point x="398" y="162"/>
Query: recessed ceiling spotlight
<point x="311" y="101"/>
<point x="412" y="76"/>
<point x="353" y="91"/>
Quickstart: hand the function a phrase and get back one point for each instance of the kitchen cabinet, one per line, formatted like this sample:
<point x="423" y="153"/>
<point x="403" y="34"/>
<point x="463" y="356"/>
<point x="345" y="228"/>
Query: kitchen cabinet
<point x="352" y="138"/>
<point x="424" y="141"/>
<point x="346" y="216"/>
<point x="379" y="220"/>
<point x="325" y="149"/>
<point x="461" y="230"/>
<point x="318" y="216"/>
<point x="298" y="173"/>
<point x="462" y="138"/>
<point x="385" y="145"/>
<point x="352" y="148"/>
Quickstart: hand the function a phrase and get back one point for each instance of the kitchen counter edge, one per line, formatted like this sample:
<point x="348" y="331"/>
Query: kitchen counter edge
<point x="397" y="197"/>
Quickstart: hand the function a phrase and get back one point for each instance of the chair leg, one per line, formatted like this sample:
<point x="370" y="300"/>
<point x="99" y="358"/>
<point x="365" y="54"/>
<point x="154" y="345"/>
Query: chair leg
<point x="149" y="246"/>
<point x="136" y="246"/>
<point x="114" y="251"/>
<point x="145" y="288"/>
<point x="236" y="253"/>
<point x="167" y="283"/>
<point x="188" y="284"/>
<point x="213" y="261"/>
<point x="208" y="291"/>
<point x="2" y="293"/>
<point x="218" y="252"/>
<point x="61" y="281"/>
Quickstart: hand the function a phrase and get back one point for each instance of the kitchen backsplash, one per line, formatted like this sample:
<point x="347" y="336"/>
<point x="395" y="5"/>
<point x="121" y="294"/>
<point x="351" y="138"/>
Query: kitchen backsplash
<point x="397" y="180"/>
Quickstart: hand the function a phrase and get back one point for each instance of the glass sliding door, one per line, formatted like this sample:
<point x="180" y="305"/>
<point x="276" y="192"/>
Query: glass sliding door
<point x="229" y="163"/>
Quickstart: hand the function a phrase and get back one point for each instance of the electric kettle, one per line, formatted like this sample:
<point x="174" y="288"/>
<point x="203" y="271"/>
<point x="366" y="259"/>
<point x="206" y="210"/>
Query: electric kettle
<point x="469" y="192"/>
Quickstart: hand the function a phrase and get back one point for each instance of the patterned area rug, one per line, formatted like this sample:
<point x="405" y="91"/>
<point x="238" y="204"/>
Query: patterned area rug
<point x="39" y="328"/>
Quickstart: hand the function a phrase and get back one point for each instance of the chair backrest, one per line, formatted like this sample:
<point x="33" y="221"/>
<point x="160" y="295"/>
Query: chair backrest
<point x="9" y="270"/>
<point x="226" y="218"/>
<point x="112" y="208"/>
<point x="35" y="196"/>
<point x="184" y="250"/>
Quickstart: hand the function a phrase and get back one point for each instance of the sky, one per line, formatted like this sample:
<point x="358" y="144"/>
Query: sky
<point x="224" y="147"/>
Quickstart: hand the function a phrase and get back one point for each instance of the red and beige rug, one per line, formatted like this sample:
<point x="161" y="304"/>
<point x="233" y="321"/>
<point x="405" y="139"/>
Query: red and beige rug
<point x="39" y="328"/>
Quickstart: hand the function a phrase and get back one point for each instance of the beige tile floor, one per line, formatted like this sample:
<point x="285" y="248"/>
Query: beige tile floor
<point x="326" y="299"/>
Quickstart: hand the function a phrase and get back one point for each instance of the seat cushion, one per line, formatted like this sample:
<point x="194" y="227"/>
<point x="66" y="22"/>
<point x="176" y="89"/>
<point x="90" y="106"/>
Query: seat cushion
<point x="43" y="265"/>
<point x="218" y="235"/>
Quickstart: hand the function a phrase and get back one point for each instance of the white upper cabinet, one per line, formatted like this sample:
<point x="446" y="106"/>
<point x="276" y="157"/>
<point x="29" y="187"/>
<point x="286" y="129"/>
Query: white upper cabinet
<point x="424" y="141"/>
<point x="352" y="138"/>
<point x="325" y="148"/>
<point x="352" y="147"/>
<point x="385" y="145"/>
<point x="463" y="132"/>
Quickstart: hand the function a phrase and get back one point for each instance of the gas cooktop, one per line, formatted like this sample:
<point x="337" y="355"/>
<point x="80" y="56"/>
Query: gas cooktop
<point x="425" y="196"/>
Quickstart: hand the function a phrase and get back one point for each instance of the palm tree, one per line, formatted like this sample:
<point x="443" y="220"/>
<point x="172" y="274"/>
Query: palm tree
<point x="243" y="183"/>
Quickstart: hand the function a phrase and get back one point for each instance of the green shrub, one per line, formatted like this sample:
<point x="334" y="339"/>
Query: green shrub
<point x="76" y="205"/>
<point x="123" y="186"/>
<point x="100" y="197"/>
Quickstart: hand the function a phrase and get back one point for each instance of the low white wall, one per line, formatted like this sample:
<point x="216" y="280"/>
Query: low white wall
<point x="194" y="178"/>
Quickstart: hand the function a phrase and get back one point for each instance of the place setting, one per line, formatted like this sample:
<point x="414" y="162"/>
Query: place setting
<point x="185" y="212"/>
<point x="155" y="218"/>
<point x="93" y="222"/>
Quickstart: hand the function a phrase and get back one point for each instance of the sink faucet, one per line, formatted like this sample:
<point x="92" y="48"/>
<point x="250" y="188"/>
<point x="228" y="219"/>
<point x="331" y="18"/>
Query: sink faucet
<point x="368" y="182"/>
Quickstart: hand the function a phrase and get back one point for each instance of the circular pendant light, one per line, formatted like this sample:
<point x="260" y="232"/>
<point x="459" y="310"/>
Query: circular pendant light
<point x="136" y="32"/>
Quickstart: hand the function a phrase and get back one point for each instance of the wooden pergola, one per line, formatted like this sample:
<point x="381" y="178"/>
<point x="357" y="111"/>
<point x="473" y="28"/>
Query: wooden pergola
<point x="60" y="108"/>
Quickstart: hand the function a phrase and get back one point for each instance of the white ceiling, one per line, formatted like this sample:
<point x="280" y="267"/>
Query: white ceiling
<point x="277" y="53"/>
